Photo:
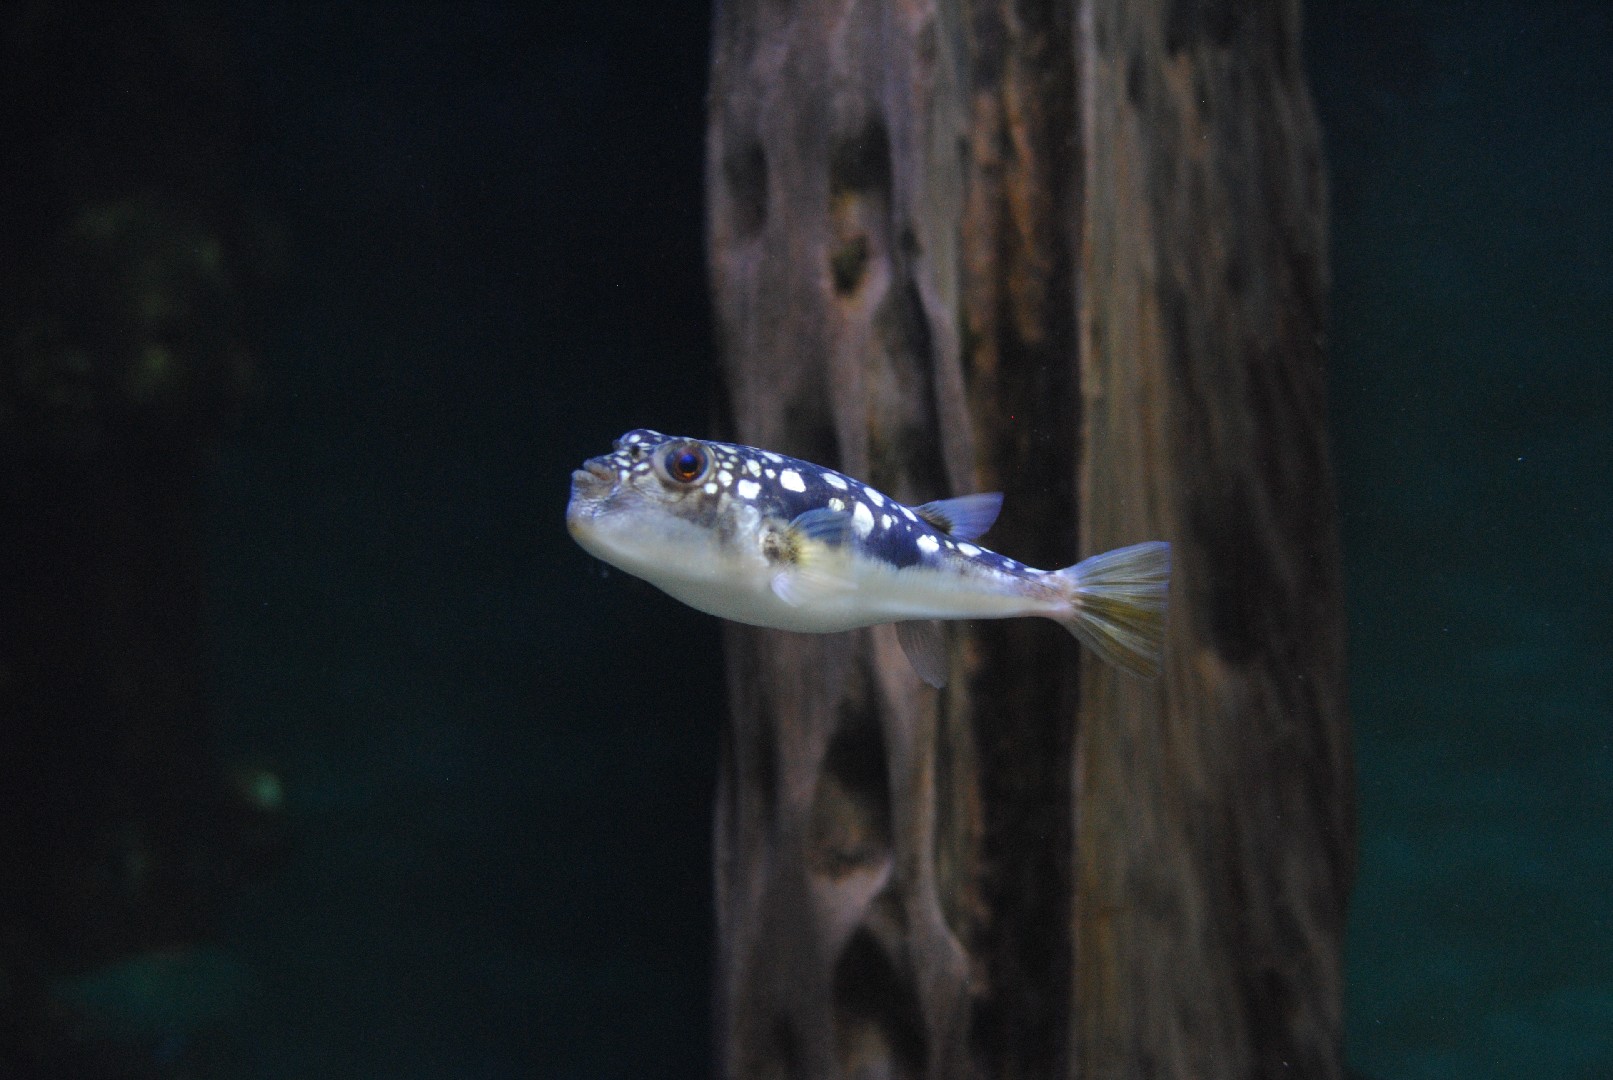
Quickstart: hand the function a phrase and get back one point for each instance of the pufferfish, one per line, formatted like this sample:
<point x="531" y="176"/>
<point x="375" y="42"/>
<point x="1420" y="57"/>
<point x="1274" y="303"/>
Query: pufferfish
<point x="769" y="540"/>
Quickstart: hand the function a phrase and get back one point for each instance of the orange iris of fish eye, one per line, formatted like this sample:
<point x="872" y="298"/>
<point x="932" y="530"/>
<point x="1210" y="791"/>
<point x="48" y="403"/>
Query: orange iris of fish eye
<point x="685" y="465"/>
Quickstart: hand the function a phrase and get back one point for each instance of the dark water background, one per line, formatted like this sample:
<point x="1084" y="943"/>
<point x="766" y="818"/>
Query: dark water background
<point x="494" y="763"/>
<point x="1473" y="417"/>
<point x="499" y="771"/>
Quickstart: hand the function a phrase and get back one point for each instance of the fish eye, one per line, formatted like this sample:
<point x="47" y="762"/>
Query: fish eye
<point x="684" y="463"/>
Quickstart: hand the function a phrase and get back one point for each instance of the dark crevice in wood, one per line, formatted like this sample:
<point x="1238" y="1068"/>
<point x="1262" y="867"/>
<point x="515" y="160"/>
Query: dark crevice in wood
<point x="850" y="824"/>
<point x="745" y="173"/>
<point x="861" y="163"/>
<point x="1190" y="22"/>
<point x="1023" y="391"/>
<point x="878" y="1023"/>
<point x="900" y="397"/>
<point x="849" y="263"/>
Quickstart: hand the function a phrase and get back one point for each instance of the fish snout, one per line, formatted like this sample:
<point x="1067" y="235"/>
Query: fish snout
<point x="594" y="480"/>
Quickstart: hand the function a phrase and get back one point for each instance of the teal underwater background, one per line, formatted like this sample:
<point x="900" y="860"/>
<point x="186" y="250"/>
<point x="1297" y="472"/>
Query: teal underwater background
<point x="1472" y="383"/>
<point x="495" y="762"/>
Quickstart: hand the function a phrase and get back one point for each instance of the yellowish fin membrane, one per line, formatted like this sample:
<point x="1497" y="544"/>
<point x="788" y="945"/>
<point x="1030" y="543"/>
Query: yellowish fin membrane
<point x="1117" y="605"/>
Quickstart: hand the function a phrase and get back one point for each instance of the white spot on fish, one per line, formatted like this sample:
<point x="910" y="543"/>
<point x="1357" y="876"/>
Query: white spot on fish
<point x="885" y="521"/>
<point x="710" y="488"/>
<point x="862" y="519"/>
<point x="790" y="480"/>
<point x="771" y="474"/>
<point x="909" y="514"/>
<point x="929" y="544"/>
<point x="969" y="550"/>
<point x="725" y="478"/>
<point x="770" y="456"/>
<point x="837" y="505"/>
<point x="753" y="467"/>
<point x="834" y="481"/>
<point x="749" y="489"/>
<point x="874" y="497"/>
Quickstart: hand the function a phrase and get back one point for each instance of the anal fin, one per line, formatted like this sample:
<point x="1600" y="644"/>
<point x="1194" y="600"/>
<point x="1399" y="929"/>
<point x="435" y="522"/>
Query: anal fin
<point x="926" y="649"/>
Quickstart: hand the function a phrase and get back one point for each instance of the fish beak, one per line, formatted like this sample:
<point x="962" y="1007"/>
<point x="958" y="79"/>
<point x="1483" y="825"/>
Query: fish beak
<point x="594" y="480"/>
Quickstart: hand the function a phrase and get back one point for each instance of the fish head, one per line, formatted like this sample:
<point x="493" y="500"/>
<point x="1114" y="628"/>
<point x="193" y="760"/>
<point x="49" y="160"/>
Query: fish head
<point x="648" y="505"/>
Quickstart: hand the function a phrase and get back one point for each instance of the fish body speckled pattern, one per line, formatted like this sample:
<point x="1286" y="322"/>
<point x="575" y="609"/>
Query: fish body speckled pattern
<point x="770" y="540"/>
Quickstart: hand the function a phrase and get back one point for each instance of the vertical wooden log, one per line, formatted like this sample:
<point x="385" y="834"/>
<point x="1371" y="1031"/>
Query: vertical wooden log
<point x="836" y="183"/>
<point x="930" y="270"/>
<point x="1213" y="812"/>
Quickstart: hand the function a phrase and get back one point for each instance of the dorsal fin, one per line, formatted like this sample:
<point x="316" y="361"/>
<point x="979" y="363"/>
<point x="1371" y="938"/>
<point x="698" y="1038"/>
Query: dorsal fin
<point x="965" y="517"/>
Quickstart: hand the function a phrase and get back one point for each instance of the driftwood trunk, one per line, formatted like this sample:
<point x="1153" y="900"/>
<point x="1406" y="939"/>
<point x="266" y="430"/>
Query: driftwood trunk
<point x="1074" y="253"/>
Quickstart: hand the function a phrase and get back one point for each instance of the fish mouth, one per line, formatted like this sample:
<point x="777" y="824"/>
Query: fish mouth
<point x="594" y="480"/>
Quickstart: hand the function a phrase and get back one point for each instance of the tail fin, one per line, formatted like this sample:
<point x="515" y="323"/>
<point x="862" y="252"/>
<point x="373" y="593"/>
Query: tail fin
<point x="1117" y="605"/>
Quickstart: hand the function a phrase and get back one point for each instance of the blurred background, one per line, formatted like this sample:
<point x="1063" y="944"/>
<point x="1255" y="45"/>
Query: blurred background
<point x="324" y="752"/>
<point x="1472" y="379"/>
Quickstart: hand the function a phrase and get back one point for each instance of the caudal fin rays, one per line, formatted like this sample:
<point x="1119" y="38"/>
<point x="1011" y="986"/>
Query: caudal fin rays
<point x="1117" y="605"/>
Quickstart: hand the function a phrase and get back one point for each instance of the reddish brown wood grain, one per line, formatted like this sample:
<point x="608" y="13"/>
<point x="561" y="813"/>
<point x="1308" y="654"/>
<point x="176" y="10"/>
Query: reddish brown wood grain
<point x="1074" y="253"/>
<point x="1209" y="914"/>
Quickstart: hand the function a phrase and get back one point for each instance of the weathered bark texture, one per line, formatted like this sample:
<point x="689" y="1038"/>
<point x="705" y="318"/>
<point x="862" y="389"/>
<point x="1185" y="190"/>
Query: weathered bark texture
<point x="1213" y="819"/>
<point x="1072" y="252"/>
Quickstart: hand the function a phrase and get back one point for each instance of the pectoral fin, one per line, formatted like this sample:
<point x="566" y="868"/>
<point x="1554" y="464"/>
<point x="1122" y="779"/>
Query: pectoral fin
<point x="813" y="570"/>
<point x="803" y="586"/>
<point x="824" y="526"/>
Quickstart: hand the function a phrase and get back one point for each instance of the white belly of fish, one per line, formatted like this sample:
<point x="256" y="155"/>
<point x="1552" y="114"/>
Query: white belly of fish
<point x="847" y="593"/>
